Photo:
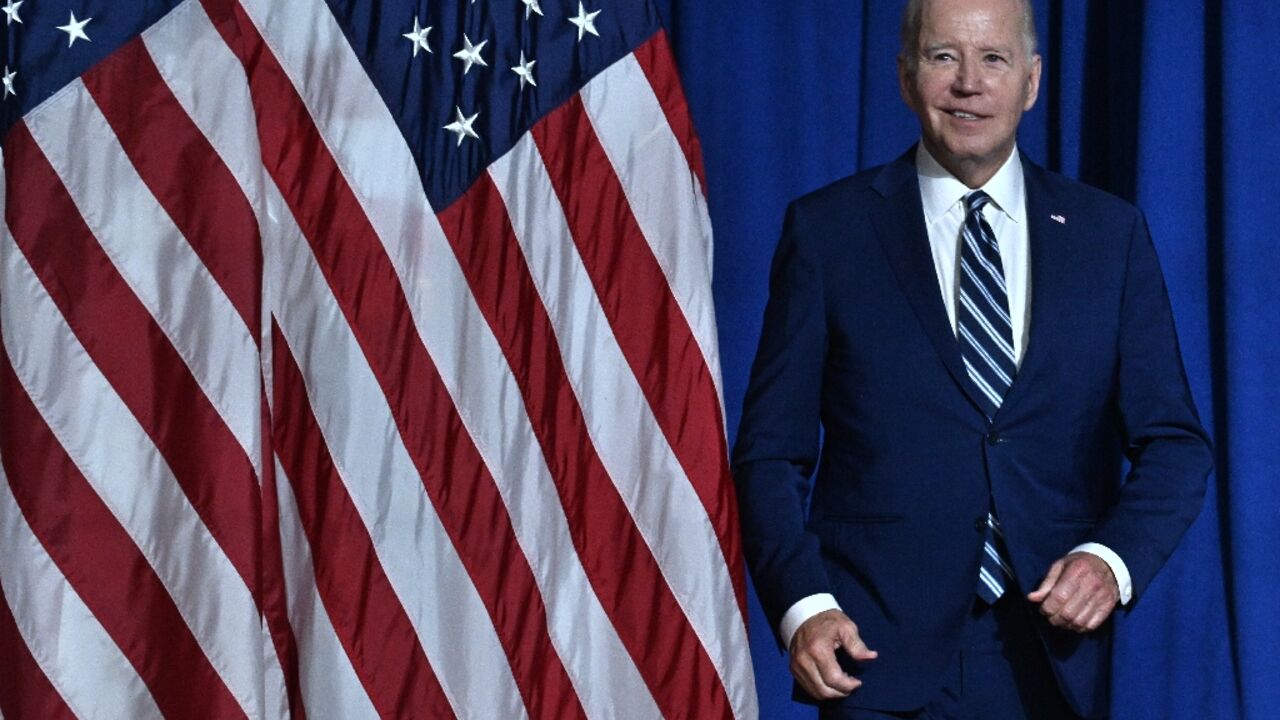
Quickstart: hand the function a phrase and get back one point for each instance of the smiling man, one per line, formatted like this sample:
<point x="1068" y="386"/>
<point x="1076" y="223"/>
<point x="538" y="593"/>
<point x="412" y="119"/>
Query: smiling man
<point x="983" y="345"/>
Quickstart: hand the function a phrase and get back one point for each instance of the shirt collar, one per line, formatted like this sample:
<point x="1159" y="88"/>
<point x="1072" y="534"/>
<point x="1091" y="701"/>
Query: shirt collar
<point x="940" y="190"/>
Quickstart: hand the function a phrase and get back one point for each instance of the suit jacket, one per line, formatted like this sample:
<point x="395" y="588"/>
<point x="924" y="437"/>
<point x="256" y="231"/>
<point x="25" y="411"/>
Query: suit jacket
<point x="856" y="340"/>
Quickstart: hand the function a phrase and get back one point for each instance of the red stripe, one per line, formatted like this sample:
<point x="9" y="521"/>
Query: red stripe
<point x="198" y="191"/>
<point x="134" y="354"/>
<point x="367" y="289"/>
<point x="26" y="691"/>
<point x="183" y="172"/>
<point x="366" y="613"/>
<point x="275" y="600"/>
<point x="616" y="558"/>
<point x="101" y="562"/>
<point x="659" y="67"/>
<point x="650" y="327"/>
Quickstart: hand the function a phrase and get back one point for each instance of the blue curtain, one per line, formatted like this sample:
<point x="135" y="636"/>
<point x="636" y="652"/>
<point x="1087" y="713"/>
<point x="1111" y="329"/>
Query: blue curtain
<point x="1172" y="104"/>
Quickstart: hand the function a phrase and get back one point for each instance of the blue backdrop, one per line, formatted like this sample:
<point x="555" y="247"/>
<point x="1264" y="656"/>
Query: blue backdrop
<point x="1172" y="104"/>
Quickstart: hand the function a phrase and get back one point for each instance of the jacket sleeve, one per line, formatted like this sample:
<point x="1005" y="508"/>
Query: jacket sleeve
<point x="778" y="441"/>
<point x="1168" y="449"/>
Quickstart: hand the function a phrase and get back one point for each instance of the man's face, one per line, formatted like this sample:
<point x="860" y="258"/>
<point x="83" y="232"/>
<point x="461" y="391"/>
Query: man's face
<point x="972" y="81"/>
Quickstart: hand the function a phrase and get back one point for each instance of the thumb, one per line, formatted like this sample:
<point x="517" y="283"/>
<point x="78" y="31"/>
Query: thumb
<point x="1047" y="584"/>
<point x="852" y="643"/>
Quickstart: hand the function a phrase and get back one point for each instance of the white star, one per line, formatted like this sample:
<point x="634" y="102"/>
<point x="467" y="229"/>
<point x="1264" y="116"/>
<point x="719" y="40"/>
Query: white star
<point x="585" y="21"/>
<point x="75" y="30"/>
<point x="8" y="81"/>
<point x="418" y="37"/>
<point x="11" y="9"/>
<point x="462" y="125"/>
<point x="531" y="6"/>
<point x="470" y="54"/>
<point x="525" y="71"/>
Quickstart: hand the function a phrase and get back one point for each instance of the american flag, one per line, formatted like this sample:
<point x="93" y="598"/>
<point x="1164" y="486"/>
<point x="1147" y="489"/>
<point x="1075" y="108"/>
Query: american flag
<point x="359" y="361"/>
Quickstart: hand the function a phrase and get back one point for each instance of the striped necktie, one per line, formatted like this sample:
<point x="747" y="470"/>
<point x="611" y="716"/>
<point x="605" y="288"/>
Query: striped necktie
<point x="984" y="330"/>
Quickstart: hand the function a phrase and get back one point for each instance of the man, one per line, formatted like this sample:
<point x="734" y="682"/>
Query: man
<point x="983" y="344"/>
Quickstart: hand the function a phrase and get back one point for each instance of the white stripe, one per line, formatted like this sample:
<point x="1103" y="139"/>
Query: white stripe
<point x="996" y="556"/>
<point x="996" y="587"/>
<point x="664" y="193"/>
<point x="667" y="201"/>
<point x="158" y="264"/>
<point x="982" y="259"/>
<point x="119" y="460"/>
<point x="413" y="547"/>
<point x="329" y="684"/>
<point x="75" y="653"/>
<point x="964" y="265"/>
<point x="973" y="342"/>
<point x="982" y="383"/>
<point x="1001" y="344"/>
<point x="420" y="562"/>
<point x="631" y="445"/>
<point x="380" y="168"/>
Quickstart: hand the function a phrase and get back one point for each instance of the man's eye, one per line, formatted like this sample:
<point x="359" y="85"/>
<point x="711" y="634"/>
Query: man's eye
<point x="942" y="57"/>
<point x="993" y="58"/>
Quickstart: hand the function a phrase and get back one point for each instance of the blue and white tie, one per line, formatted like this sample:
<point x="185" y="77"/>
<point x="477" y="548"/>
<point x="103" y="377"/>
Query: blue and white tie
<point x="985" y="332"/>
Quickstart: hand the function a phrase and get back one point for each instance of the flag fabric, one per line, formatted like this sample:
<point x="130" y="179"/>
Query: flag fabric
<point x="359" y="360"/>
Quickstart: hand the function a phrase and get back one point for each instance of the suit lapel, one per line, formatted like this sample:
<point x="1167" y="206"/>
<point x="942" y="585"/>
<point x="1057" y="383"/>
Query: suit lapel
<point x="1051" y="283"/>
<point x="905" y="241"/>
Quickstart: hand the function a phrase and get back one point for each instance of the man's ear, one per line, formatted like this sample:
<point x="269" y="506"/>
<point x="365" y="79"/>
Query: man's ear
<point x="1033" y="83"/>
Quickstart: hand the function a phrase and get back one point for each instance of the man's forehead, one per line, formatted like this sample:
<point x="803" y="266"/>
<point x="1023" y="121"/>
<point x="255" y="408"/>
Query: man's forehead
<point x="992" y="24"/>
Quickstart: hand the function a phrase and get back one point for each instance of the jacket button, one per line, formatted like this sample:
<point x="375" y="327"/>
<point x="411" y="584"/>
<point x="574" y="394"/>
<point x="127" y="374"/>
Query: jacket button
<point x="993" y="438"/>
<point x="980" y="524"/>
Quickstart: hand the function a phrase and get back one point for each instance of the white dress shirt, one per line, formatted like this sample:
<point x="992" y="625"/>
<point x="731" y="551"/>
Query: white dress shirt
<point x="942" y="196"/>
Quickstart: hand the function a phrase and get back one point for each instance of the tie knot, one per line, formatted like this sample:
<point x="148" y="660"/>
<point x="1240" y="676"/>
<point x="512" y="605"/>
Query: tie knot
<point x="975" y="201"/>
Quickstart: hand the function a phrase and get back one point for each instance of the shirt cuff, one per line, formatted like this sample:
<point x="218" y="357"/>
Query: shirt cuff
<point x="804" y="609"/>
<point x="1113" y="561"/>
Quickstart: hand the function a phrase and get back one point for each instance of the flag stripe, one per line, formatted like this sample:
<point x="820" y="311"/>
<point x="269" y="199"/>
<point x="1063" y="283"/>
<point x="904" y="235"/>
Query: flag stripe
<point x="326" y="678"/>
<point x="421" y="562"/>
<point x="194" y="64"/>
<point x="117" y="332"/>
<point x="275" y="600"/>
<point x="177" y="163"/>
<point x="26" y="690"/>
<point x="103" y="565"/>
<point x="366" y="286"/>
<point x="631" y="446"/>
<point x="377" y="635"/>
<point x="157" y="263"/>
<point x="658" y="62"/>
<point x="89" y="671"/>
<point x="669" y="656"/>
<point x="653" y="333"/>
<point x="673" y="219"/>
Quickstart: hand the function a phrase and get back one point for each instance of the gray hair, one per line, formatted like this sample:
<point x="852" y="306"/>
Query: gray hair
<point x="913" y="19"/>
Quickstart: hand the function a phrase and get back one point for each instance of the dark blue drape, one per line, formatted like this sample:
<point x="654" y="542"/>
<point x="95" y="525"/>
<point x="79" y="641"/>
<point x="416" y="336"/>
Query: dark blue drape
<point x="1172" y="104"/>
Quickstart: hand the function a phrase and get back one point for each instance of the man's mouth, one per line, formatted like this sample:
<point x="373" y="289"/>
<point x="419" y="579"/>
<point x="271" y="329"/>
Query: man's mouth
<point x="962" y="115"/>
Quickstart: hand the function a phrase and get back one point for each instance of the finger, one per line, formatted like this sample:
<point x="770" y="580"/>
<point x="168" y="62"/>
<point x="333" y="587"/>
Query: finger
<point x="806" y="674"/>
<point x="834" y="677"/>
<point x="1050" y="579"/>
<point x="1062" y="593"/>
<point x="853" y="644"/>
<point x="1099" y="616"/>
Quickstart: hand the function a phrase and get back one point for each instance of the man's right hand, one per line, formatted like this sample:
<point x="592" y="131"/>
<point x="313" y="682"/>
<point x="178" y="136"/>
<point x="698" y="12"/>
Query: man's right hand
<point x="813" y="655"/>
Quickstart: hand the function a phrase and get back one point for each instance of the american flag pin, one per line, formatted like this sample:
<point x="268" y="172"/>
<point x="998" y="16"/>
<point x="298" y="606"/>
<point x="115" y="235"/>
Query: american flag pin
<point x="1058" y="219"/>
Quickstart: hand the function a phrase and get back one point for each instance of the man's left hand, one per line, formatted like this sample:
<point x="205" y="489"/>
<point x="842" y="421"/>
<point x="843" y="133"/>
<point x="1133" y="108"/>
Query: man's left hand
<point x="1078" y="593"/>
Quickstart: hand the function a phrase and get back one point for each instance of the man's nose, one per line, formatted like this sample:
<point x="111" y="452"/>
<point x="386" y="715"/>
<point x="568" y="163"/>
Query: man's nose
<point x="968" y="78"/>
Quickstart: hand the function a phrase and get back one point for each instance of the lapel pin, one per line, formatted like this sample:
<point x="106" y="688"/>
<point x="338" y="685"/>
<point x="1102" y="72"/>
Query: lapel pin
<point x="1058" y="219"/>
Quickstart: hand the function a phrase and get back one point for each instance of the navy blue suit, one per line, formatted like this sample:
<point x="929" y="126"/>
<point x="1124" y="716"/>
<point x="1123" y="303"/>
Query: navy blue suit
<point x="856" y="341"/>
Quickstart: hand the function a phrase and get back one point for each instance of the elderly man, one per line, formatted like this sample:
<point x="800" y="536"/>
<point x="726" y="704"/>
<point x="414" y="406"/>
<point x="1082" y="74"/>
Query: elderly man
<point x="983" y="344"/>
